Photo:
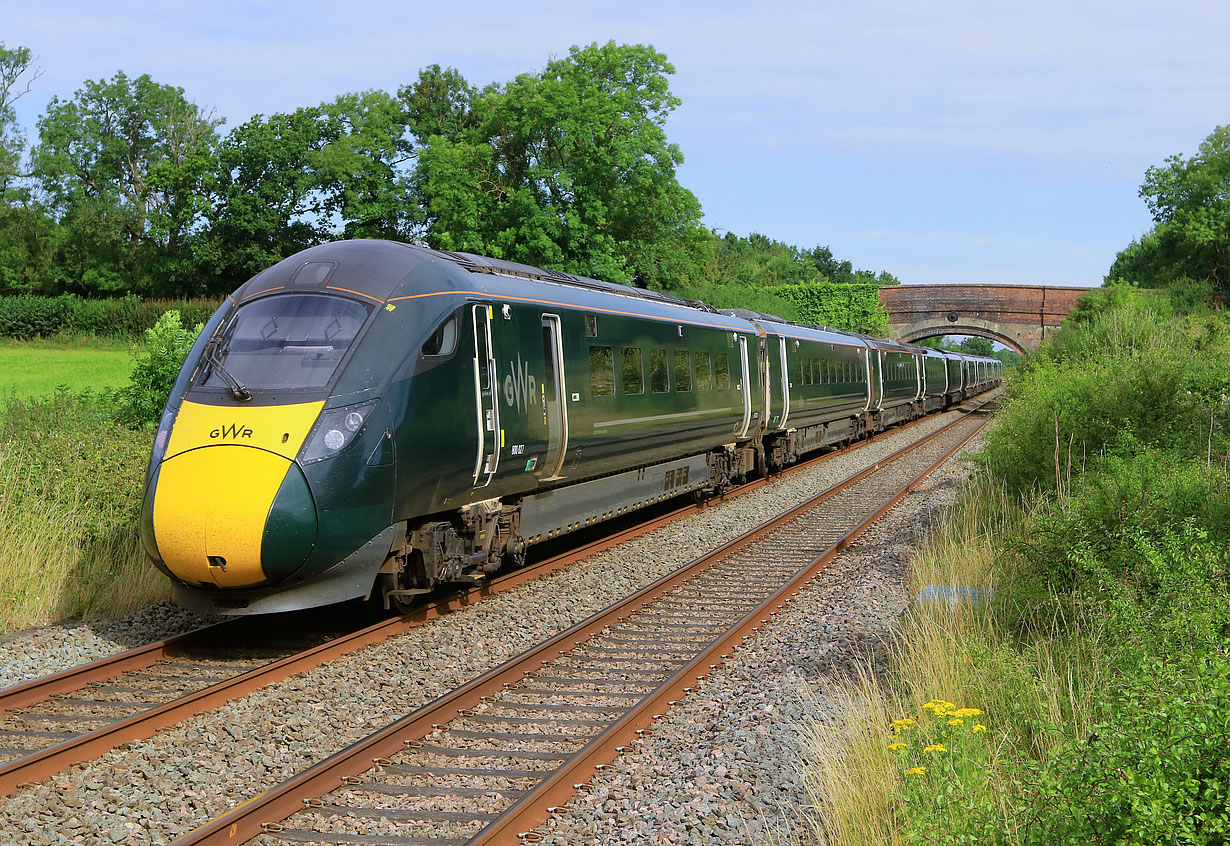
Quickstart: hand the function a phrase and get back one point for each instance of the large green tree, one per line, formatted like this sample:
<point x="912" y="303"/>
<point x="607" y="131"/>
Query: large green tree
<point x="1189" y="199"/>
<point x="124" y="165"/>
<point x="569" y="168"/>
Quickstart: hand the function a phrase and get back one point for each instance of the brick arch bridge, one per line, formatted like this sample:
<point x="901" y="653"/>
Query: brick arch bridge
<point x="1018" y="316"/>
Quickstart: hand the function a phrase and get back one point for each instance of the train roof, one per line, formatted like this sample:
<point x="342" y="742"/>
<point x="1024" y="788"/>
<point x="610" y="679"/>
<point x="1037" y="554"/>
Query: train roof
<point x="377" y="271"/>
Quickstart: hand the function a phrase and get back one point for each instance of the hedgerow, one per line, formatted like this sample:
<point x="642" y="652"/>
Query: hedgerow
<point x="27" y="316"/>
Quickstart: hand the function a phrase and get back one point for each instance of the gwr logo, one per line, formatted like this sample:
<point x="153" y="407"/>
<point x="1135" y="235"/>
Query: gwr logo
<point x="235" y="431"/>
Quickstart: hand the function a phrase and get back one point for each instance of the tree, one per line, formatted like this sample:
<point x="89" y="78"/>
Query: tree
<point x="438" y="103"/>
<point x="568" y="169"/>
<point x="363" y="171"/>
<point x="124" y="165"/>
<point x="974" y="345"/>
<point x="266" y="199"/>
<point x="15" y="63"/>
<point x="1189" y="199"/>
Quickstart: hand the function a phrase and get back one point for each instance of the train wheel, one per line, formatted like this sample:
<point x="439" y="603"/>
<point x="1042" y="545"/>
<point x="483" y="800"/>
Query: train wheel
<point x="400" y="591"/>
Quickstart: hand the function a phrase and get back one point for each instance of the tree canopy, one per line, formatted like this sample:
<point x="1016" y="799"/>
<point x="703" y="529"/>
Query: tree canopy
<point x="1189" y="245"/>
<point x="133" y="188"/>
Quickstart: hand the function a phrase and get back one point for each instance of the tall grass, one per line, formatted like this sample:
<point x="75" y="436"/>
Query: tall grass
<point x="966" y="652"/>
<point x="60" y="559"/>
<point x="70" y="485"/>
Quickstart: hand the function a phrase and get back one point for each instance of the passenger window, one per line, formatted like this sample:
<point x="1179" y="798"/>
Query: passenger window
<point x="683" y="370"/>
<point x="443" y="341"/>
<point x="633" y="370"/>
<point x="591" y="326"/>
<point x="704" y="373"/>
<point x="601" y="372"/>
<point x="804" y="372"/>
<point x="722" y="368"/>
<point x="658" y="378"/>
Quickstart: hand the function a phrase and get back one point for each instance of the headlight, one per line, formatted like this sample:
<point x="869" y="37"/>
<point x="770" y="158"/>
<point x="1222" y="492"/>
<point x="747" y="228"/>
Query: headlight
<point x="334" y="431"/>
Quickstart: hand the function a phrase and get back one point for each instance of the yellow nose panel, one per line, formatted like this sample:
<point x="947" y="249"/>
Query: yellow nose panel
<point x="212" y="503"/>
<point x="281" y="429"/>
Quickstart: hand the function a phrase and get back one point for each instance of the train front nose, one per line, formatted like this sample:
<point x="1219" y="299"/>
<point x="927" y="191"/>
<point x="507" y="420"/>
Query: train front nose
<point x="235" y="514"/>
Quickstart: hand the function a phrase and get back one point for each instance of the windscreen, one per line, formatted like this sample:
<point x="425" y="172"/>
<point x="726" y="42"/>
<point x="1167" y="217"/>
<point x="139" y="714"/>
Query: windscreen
<point x="285" y="342"/>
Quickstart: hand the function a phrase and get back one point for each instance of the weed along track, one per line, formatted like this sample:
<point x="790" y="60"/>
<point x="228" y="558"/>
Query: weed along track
<point x="488" y="761"/>
<point x="110" y="713"/>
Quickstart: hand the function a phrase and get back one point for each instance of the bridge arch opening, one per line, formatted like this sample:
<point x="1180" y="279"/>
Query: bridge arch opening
<point x="966" y="329"/>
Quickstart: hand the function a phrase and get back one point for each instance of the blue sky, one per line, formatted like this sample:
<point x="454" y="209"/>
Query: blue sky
<point x="947" y="142"/>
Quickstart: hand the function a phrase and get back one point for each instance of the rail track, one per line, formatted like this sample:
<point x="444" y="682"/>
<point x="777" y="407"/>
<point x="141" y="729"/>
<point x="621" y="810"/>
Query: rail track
<point x="79" y="714"/>
<point x="488" y="761"/>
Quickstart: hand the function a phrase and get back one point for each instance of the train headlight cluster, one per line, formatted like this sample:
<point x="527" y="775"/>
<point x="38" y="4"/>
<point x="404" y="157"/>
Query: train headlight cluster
<point x="334" y="431"/>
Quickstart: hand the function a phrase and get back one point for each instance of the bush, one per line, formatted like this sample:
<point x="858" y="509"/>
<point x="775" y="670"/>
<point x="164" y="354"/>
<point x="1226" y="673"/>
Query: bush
<point x="1155" y="770"/>
<point x="167" y="344"/>
<point x="1127" y="377"/>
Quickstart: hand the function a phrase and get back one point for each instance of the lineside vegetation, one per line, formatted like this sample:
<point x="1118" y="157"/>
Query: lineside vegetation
<point x="1100" y="667"/>
<point x="71" y="474"/>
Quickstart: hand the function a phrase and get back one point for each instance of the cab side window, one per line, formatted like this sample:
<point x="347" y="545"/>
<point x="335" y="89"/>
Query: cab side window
<point x="443" y="341"/>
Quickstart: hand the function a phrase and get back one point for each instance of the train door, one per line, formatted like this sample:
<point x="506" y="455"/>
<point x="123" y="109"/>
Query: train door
<point x="745" y="387"/>
<point x="555" y="409"/>
<point x="784" y="372"/>
<point x="766" y="390"/>
<point x="876" y="397"/>
<point x="486" y="398"/>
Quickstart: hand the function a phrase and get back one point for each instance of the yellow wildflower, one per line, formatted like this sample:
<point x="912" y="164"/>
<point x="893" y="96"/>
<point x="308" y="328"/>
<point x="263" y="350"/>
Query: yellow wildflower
<point x="967" y="712"/>
<point x="979" y="727"/>
<point x="898" y="725"/>
<point x="955" y="721"/>
<point x="939" y="707"/>
<point x="916" y="771"/>
<point x="935" y="747"/>
<point x="896" y="746"/>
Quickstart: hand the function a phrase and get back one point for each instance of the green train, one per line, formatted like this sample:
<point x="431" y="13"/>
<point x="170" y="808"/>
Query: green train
<point x="374" y="417"/>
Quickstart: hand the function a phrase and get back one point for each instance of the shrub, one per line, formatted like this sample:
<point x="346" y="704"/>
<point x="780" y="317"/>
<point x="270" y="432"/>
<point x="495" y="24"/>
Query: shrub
<point x="1129" y="377"/>
<point x="167" y="344"/>
<point x="1155" y="770"/>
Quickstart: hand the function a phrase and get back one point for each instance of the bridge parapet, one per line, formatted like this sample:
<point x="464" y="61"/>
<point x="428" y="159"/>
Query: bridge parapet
<point x="1020" y="316"/>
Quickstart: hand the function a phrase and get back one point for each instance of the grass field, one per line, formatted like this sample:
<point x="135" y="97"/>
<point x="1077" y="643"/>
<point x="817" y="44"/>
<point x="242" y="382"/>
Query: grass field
<point x="37" y="368"/>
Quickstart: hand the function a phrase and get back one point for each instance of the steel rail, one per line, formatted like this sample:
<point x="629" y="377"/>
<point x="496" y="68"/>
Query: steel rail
<point x="46" y="762"/>
<point x="512" y="826"/>
<point x="247" y="820"/>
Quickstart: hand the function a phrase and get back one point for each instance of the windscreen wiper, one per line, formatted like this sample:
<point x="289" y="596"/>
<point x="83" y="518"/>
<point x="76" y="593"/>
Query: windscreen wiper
<point x="214" y="361"/>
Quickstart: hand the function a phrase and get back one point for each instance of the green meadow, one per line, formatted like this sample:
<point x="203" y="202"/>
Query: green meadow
<point x="38" y="368"/>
